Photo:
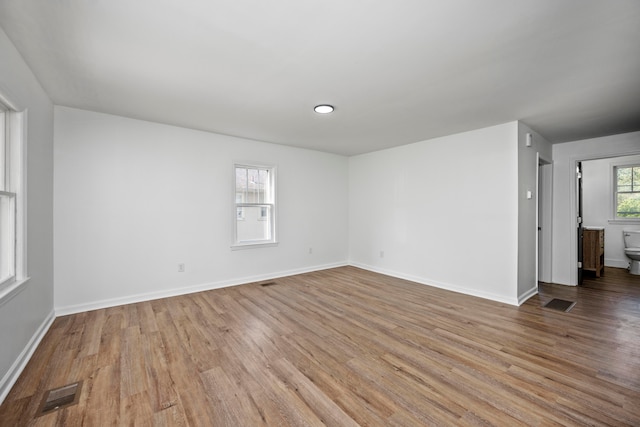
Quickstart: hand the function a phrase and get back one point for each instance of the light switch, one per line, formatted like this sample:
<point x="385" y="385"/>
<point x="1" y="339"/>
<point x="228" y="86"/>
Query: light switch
<point x="529" y="195"/>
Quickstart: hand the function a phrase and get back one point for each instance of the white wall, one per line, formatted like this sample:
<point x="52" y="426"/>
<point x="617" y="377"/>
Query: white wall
<point x="27" y="312"/>
<point x="443" y="211"/>
<point x="565" y="157"/>
<point x="597" y="208"/>
<point x="528" y="160"/>
<point x="134" y="199"/>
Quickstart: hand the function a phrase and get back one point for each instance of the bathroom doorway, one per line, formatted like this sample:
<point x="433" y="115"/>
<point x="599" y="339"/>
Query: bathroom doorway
<point x="565" y="230"/>
<point x="598" y="195"/>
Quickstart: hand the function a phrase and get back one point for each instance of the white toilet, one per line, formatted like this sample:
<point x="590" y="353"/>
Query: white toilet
<point x="632" y="249"/>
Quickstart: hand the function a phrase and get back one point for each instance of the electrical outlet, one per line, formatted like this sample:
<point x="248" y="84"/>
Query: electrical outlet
<point x="181" y="268"/>
<point x="310" y="251"/>
<point x="381" y="254"/>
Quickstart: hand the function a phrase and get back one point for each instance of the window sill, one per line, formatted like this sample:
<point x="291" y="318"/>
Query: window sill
<point x="10" y="291"/>
<point x="253" y="245"/>
<point x="625" y="221"/>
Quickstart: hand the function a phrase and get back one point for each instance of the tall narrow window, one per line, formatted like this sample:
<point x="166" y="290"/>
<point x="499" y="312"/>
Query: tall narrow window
<point x="255" y="208"/>
<point x="627" y="192"/>
<point x="8" y="195"/>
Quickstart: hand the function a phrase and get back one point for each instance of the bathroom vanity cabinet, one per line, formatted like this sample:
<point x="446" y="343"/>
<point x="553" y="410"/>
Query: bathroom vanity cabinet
<point x="593" y="250"/>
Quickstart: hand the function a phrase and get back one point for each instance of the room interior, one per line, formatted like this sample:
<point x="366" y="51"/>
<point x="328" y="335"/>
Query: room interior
<point x="424" y="180"/>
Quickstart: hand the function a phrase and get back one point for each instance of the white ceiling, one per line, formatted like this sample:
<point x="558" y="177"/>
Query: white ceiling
<point x="397" y="71"/>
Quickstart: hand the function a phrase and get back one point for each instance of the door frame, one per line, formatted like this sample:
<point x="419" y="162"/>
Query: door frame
<point x="573" y="232"/>
<point x="544" y="218"/>
<point x="579" y="224"/>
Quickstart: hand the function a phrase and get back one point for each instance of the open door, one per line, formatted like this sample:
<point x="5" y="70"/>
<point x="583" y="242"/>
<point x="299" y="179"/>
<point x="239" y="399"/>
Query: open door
<point x="579" y="219"/>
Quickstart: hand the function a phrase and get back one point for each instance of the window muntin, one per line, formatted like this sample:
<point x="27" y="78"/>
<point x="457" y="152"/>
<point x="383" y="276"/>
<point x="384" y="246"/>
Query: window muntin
<point x="254" y="221"/>
<point x="627" y="192"/>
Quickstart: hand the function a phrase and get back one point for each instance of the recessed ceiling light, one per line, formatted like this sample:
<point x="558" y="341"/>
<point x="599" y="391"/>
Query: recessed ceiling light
<point x="323" y="109"/>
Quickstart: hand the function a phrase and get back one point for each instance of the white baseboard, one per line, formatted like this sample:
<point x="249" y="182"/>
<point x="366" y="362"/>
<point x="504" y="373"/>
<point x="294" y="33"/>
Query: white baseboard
<point x="441" y="285"/>
<point x="130" y="299"/>
<point x="21" y="361"/>
<point x="525" y="296"/>
<point x="617" y="263"/>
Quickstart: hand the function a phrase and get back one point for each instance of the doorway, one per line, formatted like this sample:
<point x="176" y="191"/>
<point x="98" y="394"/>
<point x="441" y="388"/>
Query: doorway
<point x="565" y="159"/>
<point x="544" y="220"/>
<point x="598" y="195"/>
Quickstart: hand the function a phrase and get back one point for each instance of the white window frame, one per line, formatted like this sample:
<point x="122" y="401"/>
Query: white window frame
<point x="271" y="203"/>
<point x="615" y="219"/>
<point x="13" y="188"/>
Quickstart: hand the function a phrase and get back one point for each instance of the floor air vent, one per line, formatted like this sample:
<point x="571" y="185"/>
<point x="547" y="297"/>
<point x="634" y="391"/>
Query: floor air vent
<point x="560" y="304"/>
<point x="59" y="398"/>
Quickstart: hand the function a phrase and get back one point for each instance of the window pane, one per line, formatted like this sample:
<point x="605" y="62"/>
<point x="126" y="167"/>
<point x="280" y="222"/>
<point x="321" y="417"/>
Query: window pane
<point x="7" y="234"/>
<point x="241" y="184"/>
<point x="263" y="179"/>
<point x="629" y="205"/>
<point x="255" y="186"/>
<point x="253" y="227"/>
<point x="636" y="179"/>
<point x="252" y="186"/>
<point x="624" y="177"/>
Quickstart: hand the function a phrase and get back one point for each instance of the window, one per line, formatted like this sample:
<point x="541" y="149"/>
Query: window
<point x="254" y="221"/>
<point x="10" y="187"/>
<point x="627" y="192"/>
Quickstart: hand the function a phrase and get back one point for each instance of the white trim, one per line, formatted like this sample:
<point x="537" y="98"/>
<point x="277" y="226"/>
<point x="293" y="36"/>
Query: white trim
<point x="524" y="297"/>
<point x="8" y="222"/>
<point x="617" y="263"/>
<point x="112" y="302"/>
<point x="16" y="134"/>
<point x="538" y="229"/>
<point x="11" y="291"/>
<point x="21" y="361"/>
<point x="436" y="284"/>
<point x="624" y="221"/>
<point x="613" y="187"/>
<point x="547" y="222"/>
<point x="19" y="125"/>
<point x="249" y="245"/>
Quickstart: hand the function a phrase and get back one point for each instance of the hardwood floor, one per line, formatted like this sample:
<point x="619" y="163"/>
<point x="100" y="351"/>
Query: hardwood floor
<point x="345" y="347"/>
